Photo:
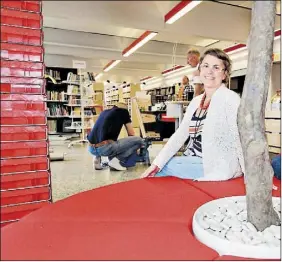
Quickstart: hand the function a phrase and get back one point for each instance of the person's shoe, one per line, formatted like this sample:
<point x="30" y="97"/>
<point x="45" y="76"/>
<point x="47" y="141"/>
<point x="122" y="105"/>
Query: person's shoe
<point x="115" y="164"/>
<point x="97" y="163"/>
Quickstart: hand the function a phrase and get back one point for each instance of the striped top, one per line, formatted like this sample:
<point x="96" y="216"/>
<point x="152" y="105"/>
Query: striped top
<point x="194" y="146"/>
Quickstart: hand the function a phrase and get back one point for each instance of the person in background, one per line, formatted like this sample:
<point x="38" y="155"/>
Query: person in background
<point x="210" y="124"/>
<point x="104" y="134"/>
<point x="185" y="89"/>
<point x="276" y="165"/>
<point x="193" y="58"/>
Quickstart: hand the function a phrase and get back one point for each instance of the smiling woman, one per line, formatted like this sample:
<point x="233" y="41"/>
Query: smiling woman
<point x="209" y="128"/>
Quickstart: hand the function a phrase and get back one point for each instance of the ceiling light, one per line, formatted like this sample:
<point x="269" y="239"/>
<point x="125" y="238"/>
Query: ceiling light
<point x="180" y="10"/>
<point x="171" y="70"/>
<point x="145" y="78"/>
<point x="110" y="65"/>
<point x="277" y="34"/>
<point x="235" y="48"/>
<point x="144" y="38"/>
<point x="98" y="76"/>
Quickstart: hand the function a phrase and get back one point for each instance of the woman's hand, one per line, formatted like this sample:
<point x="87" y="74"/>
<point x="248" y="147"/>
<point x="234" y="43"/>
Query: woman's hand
<point x="151" y="171"/>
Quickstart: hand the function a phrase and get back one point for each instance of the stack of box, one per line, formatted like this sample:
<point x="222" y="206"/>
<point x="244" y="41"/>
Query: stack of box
<point x="25" y="172"/>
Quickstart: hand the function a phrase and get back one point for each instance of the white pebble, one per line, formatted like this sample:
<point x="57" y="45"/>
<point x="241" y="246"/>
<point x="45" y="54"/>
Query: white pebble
<point x="251" y="227"/>
<point x="203" y="223"/>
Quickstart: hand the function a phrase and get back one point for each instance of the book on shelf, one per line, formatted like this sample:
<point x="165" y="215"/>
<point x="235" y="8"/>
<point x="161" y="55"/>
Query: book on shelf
<point x="52" y="126"/>
<point x="53" y="73"/>
<point x="73" y="90"/>
<point x="73" y="100"/>
<point x="72" y="77"/>
<point x="57" y="110"/>
<point x="55" y="95"/>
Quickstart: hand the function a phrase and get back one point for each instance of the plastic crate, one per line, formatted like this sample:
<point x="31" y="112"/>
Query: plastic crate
<point x="20" y="35"/>
<point x="22" y="88"/>
<point x="25" y="164"/>
<point x="22" y="69"/>
<point x="25" y="180"/>
<point x="22" y="80"/>
<point x="34" y="6"/>
<point x="23" y="133"/>
<point x="23" y="97"/>
<point x="11" y="213"/>
<point x="23" y="105"/>
<point x="12" y="118"/>
<point x="23" y="149"/>
<point x="21" y="196"/>
<point x="21" y="18"/>
<point x="22" y="52"/>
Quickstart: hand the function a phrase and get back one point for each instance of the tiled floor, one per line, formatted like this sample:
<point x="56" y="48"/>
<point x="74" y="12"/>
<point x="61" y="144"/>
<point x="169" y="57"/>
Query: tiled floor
<point x="75" y="174"/>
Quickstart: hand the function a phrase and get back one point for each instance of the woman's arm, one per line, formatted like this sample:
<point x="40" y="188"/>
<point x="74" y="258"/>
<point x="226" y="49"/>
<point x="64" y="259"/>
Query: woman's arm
<point x="177" y="139"/>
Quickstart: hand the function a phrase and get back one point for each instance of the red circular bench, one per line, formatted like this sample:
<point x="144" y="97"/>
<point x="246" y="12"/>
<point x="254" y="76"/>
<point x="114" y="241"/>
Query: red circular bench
<point x="144" y="219"/>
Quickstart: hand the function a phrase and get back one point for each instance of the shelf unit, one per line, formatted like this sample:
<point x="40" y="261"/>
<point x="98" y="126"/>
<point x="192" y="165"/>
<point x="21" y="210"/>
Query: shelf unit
<point x="57" y="99"/>
<point x="88" y="97"/>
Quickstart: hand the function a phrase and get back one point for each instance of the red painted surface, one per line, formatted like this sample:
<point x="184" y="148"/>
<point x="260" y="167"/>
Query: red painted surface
<point x="277" y="33"/>
<point x="172" y="69"/>
<point x="176" y="9"/>
<point x="16" y="212"/>
<point x="107" y="65"/>
<point x="233" y="48"/>
<point x="144" y="219"/>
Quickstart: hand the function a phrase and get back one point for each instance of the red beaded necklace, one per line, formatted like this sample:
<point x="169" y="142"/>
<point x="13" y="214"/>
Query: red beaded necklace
<point x="203" y="101"/>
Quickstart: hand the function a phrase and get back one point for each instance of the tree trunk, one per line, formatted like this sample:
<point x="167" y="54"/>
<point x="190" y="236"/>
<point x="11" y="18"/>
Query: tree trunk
<point x="251" y="115"/>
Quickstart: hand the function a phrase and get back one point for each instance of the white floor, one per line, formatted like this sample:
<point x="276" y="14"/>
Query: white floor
<point x="76" y="174"/>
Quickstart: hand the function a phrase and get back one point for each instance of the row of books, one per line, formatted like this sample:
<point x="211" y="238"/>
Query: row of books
<point x="53" y="73"/>
<point x="54" y="95"/>
<point x="57" y="110"/>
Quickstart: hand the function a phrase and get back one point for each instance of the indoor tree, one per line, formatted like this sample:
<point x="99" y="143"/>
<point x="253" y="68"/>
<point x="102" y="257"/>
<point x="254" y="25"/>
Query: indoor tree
<point x="251" y="115"/>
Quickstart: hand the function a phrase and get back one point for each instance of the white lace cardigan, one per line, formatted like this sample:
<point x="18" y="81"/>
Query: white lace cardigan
<point x="221" y="146"/>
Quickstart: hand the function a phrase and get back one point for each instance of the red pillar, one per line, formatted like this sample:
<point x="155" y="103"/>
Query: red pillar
<point x="25" y="170"/>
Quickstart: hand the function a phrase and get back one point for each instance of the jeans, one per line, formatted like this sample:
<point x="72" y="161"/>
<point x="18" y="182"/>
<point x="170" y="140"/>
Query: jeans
<point x="122" y="149"/>
<point x="185" y="167"/>
<point x="276" y="165"/>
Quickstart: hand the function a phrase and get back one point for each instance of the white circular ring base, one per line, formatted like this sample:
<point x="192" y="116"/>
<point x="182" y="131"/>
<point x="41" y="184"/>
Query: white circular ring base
<point x="222" y="225"/>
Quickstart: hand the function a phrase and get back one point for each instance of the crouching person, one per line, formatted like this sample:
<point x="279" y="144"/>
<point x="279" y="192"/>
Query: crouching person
<point x="103" y="138"/>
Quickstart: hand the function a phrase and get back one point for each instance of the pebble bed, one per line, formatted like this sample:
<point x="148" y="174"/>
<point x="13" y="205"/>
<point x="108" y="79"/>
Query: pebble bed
<point x="228" y="221"/>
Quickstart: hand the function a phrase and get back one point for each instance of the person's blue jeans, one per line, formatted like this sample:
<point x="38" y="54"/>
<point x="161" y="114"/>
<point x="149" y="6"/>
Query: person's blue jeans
<point x="122" y="149"/>
<point x="276" y="165"/>
<point x="185" y="167"/>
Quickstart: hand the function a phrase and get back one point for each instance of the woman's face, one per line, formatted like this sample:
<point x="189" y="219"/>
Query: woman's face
<point x="212" y="72"/>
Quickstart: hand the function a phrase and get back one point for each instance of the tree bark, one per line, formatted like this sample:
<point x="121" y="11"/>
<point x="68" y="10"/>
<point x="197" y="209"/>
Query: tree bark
<point x="251" y="117"/>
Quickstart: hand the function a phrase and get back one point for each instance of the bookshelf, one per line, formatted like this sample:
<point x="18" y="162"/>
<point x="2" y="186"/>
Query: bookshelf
<point x="85" y="100"/>
<point x="56" y="98"/>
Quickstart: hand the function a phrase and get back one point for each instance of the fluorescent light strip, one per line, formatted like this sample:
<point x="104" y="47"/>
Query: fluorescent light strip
<point x="183" y="11"/>
<point x="108" y="68"/>
<point x="139" y="44"/>
<point x="98" y="76"/>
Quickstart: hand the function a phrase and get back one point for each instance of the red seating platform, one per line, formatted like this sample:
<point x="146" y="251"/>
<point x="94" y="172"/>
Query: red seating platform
<point x="144" y="219"/>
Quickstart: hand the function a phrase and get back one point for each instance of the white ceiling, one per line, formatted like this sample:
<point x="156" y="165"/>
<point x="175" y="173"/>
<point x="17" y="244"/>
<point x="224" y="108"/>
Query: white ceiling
<point x="98" y="31"/>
